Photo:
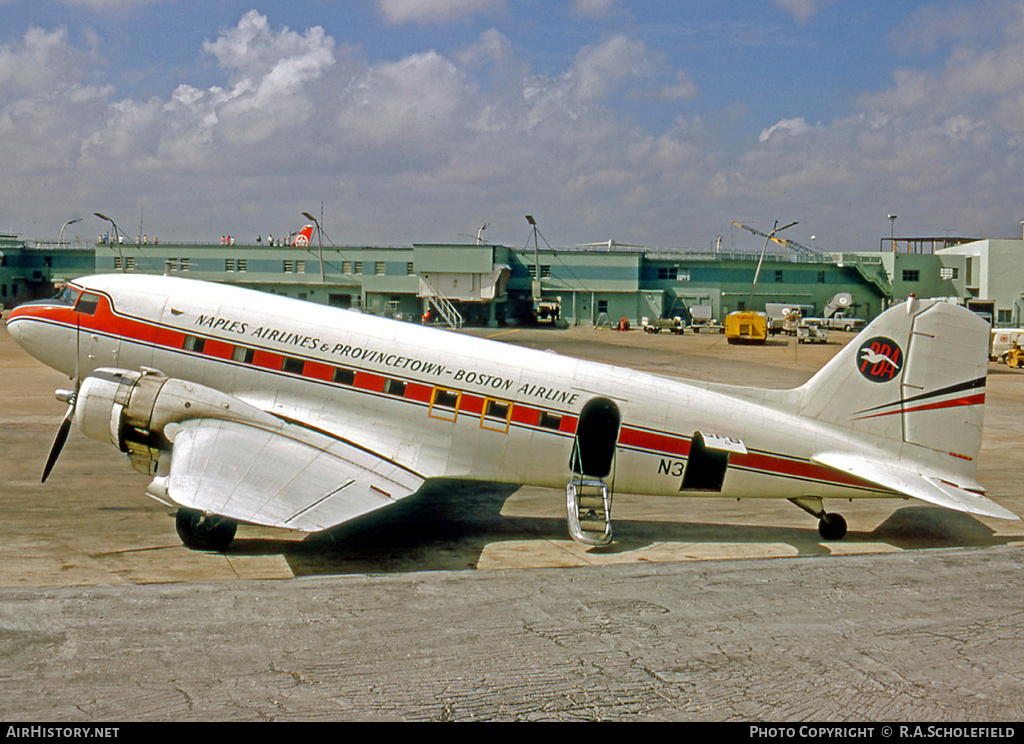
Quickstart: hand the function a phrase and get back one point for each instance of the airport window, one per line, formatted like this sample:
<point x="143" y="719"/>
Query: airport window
<point x="911" y="275"/>
<point x="378" y="268"/>
<point x="545" y="270"/>
<point x="550" y="420"/>
<point x="673" y="274"/>
<point x="241" y="264"/>
<point x="194" y="343"/>
<point x="346" y="267"/>
<point x="778" y="275"/>
<point x="821" y="277"/>
<point x="292" y="365"/>
<point x="243" y="354"/>
<point x="343" y="376"/>
<point x="358" y="267"/>
<point x="1004" y="316"/>
<point x="948" y="272"/>
<point x="602" y="306"/>
<point x="289" y="267"/>
<point x="408" y="268"/>
<point x="87" y="303"/>
<point x="229" y="264"/>
<point x="531" y="270"/>
<point x="300" y="267"/>
<point x="394" y="387"/>
<point x="129" y="263"/>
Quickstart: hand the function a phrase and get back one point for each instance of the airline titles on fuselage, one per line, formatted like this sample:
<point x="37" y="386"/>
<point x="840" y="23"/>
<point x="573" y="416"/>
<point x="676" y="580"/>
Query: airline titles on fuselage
<point x="396" y="361"/>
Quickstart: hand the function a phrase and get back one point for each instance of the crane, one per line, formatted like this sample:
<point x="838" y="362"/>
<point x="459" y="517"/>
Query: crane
<point x="785" y="242"/>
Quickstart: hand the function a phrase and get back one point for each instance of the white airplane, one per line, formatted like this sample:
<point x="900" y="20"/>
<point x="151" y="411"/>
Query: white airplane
<point x="254" y="408"/>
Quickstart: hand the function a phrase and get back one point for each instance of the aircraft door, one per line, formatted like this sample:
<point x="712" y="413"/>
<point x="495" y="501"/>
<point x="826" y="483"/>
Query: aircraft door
<point x="597" y="433"/>
<point x="588" y="498"/>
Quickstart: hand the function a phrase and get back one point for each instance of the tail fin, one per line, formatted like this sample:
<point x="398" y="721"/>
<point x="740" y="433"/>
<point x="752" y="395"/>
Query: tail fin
<point x="304" y="236"/>
<point x="915" y="375"/>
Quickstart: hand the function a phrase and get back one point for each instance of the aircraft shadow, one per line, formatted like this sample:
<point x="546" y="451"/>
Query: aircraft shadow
<point x="448" y="526"/>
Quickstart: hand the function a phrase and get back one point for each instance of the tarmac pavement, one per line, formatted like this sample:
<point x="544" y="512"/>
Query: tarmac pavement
<point x="471" y="603"/>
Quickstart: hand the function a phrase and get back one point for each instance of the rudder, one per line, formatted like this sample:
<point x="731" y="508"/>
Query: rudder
<point x="915" y="375"/>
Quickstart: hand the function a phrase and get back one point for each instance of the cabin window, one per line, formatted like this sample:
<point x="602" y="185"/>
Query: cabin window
<point x="550" y="420"/>
<point x="194" y="343"/>
<point x="243" y="354"/>
<point x="444" y="404"/>
<point x="292" y="365"/>
<point x="343" y="376"/>
<point x="394" y="387"/>
<point x="446" y="398"/>
<point x="497" y="414"/>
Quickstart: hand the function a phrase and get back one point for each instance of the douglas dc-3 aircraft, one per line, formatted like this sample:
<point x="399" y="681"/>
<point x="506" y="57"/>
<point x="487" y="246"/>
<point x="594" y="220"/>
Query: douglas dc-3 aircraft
<point x="249" y="407"/>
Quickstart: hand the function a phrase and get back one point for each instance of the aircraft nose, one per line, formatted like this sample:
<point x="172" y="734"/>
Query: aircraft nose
<point x="15" y="328"/>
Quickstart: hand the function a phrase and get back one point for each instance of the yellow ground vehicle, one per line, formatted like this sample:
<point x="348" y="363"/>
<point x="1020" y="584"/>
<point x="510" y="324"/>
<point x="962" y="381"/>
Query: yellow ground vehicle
<point x="746" y="327"/>
<point x="1015" y="356"/>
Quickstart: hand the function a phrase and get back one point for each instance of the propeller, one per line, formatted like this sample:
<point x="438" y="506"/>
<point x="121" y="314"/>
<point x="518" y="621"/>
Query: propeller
<point x="69" y="397"/>
<point x="65" y="396"/>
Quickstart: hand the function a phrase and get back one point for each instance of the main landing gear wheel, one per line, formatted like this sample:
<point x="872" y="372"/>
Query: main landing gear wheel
<point x="832" y="527"/>
<point x="200" y="532"/>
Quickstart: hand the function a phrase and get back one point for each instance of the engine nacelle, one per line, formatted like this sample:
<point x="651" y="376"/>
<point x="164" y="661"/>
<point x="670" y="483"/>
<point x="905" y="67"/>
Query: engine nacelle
<point x="131" y="410"/>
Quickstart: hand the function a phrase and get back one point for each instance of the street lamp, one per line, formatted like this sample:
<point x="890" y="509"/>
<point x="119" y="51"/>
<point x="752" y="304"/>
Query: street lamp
<point x="319" y="240"/>
<point x="117" y="237"/>
<point x="60" y="240"/>
<point x="892" y="232"/>
<point x="770" y="236"/>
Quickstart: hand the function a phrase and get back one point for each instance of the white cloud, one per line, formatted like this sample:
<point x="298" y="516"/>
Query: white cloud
<point x="412" y="148"/>
<point x="802" y="10"/>
<point x="598" y="70"/>
<point x="792" y="127"/>
<point x="434" y="11"/>
<point x="593" y="8"/>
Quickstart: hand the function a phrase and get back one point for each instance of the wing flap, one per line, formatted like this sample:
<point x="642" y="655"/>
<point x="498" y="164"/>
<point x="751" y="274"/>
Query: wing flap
<point x="289" y="477"/>
<point x="963" y="497"/>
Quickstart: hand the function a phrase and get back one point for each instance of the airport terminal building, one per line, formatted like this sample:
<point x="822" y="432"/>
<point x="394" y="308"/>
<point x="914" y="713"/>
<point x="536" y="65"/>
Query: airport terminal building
<point x="490" y="284"/>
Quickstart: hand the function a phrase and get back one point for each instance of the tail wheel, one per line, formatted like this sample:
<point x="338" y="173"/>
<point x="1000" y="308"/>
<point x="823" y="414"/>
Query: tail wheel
<point x="832" y="527"/>
<point x="199" y="531"/>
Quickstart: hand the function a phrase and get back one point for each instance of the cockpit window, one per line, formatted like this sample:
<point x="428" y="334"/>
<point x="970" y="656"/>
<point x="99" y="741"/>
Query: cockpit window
<point x="69" y="295"/>
<point x="87" y="303"/>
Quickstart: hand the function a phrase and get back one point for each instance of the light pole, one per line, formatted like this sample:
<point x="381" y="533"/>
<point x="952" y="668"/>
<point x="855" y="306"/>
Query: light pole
<point x="117" y="236"/>
<point x="320" y="242"/>
<point x="60" y="240"/>
<point x="892" y="232"/>
<point x="757" y="273"/>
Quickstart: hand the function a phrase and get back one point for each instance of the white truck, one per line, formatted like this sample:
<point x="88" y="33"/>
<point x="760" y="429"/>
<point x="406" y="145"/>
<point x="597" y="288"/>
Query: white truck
<point x="702" y="318"/>
<point x="836" y="317"/>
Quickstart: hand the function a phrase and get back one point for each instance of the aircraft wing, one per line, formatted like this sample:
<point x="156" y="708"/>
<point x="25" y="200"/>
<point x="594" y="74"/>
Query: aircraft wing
<point x="932" y="489"/>
<point x="289" y="476"/>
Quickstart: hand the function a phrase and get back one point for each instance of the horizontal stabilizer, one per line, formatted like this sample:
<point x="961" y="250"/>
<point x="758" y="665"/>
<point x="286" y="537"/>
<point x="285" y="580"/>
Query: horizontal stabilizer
<point x="293" y="477"/>
<point x="931" y="489"/>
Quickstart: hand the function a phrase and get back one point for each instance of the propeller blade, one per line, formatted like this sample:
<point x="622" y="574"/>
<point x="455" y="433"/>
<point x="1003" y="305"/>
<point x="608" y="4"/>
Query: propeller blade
<point x="58" y="442"/>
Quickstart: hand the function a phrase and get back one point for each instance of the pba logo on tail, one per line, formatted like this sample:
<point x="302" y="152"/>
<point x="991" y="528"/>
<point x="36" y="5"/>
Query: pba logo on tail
<point x="879" y="359"/>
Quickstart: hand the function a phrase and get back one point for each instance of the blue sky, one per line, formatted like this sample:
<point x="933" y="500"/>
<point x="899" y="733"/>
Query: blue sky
<point x="653" y="123"/>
